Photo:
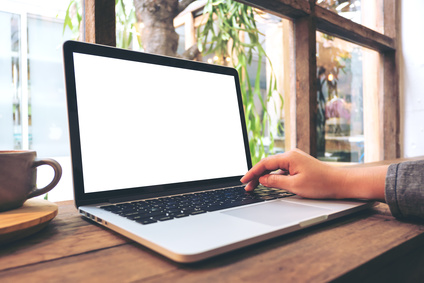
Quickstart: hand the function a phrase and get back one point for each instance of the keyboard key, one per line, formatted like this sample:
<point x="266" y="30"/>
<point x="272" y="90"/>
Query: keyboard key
<point x="268" y="198"/>
<point x="162" y="218"/>
<point x="218" y="207"/>
<point x="134" y="217"/>
<point x="174" y="210"/>
<point x="145" y="221"/>
<point x="181" y="215"/>
<point x="110" y="207"/>
<point x="154" y="214"/>
<point x="197" y="212"/>
<point x="135" y="213"/>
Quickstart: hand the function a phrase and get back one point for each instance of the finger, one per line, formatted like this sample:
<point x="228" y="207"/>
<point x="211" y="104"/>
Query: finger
<point x="276" y="181"/>
<point x="251" y="185"/>
<point x="254" y="183"/>
<point x="281" y="172"/>
<point x="265" y="166"/>
<point x="248" y="179"/>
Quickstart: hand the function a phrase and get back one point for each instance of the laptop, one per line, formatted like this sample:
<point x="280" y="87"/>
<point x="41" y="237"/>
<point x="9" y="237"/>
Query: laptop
<point x="158" y="147"/>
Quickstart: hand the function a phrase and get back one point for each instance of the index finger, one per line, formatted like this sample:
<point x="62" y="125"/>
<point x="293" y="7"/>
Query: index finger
<point x="266" y="166"/>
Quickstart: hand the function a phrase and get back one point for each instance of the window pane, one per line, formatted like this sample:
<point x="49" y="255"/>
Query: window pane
<point x="345" y="81"/>
<point x="273" y="38"/>
<point x="367" y="13"/>
<point x="47" y="100"/>
<point x="9" y="81"/>
<point x="181" y="39"/>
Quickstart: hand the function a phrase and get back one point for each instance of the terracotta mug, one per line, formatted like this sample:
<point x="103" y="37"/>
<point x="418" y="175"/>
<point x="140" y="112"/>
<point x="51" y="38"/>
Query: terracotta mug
<point x="18" y="175"/>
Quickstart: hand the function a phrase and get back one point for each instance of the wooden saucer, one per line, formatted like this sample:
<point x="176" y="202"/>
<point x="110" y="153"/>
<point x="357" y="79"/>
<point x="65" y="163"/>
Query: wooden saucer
<point x="33" y="216"/>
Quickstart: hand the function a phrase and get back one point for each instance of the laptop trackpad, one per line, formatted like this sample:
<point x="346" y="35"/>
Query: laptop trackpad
<point x="278" y="213"/>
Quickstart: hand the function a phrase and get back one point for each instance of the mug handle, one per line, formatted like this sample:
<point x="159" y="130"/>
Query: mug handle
<point x="57" y="175"/>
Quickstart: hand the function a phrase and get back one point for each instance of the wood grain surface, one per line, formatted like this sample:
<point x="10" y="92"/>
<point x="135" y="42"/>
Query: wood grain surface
<point x="31" y="217"/>
<point x="369" y="246"/>
<point x="71" y="248"/>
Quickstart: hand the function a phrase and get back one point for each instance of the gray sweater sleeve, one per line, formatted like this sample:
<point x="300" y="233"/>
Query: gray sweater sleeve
<point x="404" y="189"/>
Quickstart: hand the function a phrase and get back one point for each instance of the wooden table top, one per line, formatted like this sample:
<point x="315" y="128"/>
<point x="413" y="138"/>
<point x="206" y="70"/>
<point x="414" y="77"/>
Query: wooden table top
<point x="368" y="246"/>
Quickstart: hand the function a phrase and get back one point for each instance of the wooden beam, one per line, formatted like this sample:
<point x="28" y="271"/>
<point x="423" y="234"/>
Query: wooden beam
<point x="333" y="24"/>
<point x="390" y="107"/>
<point x="328" y="22"/>
<point x="372" y="88"/>
<point x="372" y="85"/>
<point x="390" y="96"/>
<point x="99" y="22"/>
<point x="391" y="8"/>
<point x="306" y="88"/>
<point x="283" y="8"/>
<point x="289" y="85"/>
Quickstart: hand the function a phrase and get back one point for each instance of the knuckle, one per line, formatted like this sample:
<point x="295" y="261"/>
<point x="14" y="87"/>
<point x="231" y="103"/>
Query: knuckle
<point x="272" y="179"/>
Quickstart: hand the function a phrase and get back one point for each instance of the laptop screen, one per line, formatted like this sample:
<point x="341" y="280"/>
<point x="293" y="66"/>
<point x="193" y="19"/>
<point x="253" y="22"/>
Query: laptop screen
<point x="144" y="124"/>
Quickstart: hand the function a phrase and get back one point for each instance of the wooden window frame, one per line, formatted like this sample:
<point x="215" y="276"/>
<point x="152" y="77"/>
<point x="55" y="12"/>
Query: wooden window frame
<point x="99" y="22"/>
<point x="308" y="18"/>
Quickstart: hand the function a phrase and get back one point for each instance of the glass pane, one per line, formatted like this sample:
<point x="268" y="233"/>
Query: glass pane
<point x="260" y="69"/>
<point x="367" y="13"/>
<point x="47" y="100"/>
<point x="181" y="39"/>
<point x="10" y="84"/>
<point x="271" y="37"/>
<point x="345" y="81"/>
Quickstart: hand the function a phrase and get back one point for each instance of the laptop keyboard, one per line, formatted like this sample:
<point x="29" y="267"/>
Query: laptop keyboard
<point x="167" y="208"/>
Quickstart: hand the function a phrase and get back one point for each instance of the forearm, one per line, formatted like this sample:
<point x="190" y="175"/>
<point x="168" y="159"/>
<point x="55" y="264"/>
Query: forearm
<point x="363" y="182"/>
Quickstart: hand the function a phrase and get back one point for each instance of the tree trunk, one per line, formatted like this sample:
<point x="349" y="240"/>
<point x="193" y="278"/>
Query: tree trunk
<point x="158" y="35"/>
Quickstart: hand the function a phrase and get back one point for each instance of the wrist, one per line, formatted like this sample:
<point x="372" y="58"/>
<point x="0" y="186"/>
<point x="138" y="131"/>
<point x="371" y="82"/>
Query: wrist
<point x="364" y="182"/>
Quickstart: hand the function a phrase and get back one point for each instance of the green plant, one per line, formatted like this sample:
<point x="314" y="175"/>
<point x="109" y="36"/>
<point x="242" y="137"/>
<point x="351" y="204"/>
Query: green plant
<point x="125" y="22"/>
<point x="73" y="18"/>
<point x="228" y="22"/>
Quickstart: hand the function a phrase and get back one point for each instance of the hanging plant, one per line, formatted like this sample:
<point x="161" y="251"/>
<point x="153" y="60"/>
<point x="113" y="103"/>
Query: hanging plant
<point x="223" y="33"/>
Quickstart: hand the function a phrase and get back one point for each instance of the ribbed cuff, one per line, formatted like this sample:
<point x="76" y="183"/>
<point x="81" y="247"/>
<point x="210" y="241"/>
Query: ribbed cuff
<point x="390" y="190"/>
<point x="404" y="189"/>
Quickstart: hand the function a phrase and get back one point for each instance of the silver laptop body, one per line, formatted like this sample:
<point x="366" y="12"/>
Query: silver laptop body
<point x="144" y="127"/>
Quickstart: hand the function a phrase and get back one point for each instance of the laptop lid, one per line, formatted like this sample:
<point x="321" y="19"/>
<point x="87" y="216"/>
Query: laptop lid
<point x="144" y="125"/>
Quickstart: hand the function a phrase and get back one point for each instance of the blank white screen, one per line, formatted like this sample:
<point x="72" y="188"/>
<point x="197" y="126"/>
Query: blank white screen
<point x="144" y="124"/>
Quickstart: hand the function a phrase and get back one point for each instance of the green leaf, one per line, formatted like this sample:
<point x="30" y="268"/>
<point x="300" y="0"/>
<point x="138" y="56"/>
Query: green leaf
<point x="231" y="19"/>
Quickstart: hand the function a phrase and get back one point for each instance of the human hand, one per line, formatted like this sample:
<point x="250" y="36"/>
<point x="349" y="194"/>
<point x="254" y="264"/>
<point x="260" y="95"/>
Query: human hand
<point x="298" y="173"/>
<point x="308" y="177"/>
